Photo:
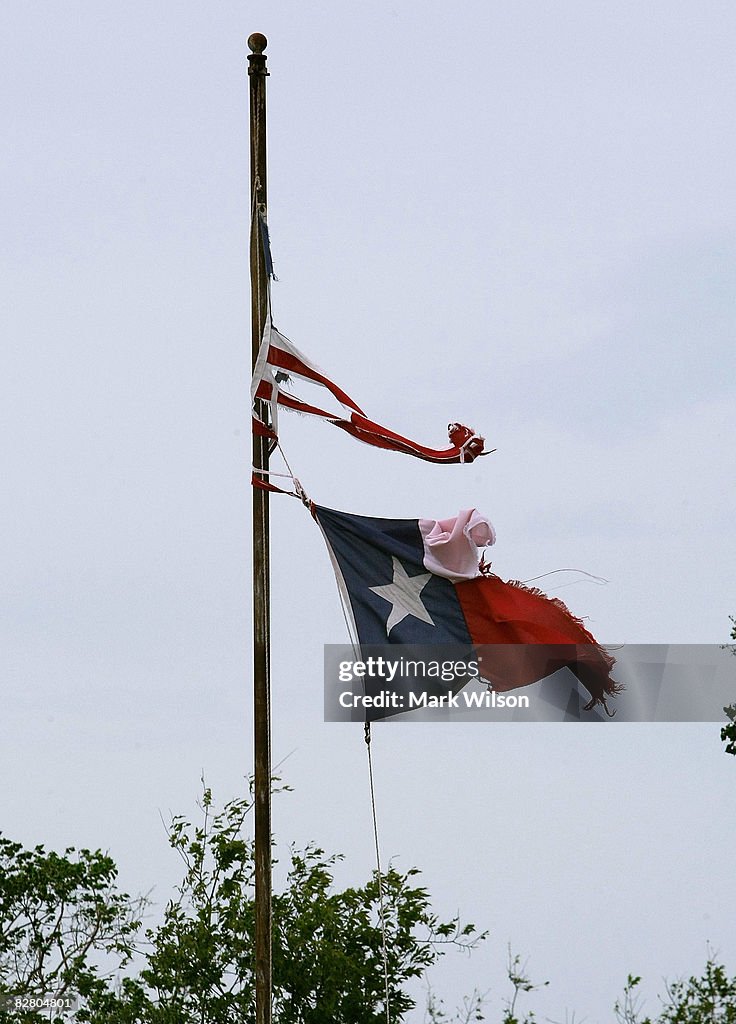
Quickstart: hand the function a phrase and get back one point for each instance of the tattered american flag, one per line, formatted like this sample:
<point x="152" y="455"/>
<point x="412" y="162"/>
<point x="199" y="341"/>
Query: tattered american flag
<point x="280" y="362"/>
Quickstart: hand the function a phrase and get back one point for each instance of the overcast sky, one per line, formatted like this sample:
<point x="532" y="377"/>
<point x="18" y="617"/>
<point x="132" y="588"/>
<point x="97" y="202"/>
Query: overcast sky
<point x="519" y="216"/>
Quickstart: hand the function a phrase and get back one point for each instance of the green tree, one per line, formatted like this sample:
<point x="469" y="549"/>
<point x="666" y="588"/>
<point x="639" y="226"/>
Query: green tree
<point x="709" y="999"/>
<point x="327" y="944"/>
<point x="64" y="927"/>
<point x="67" y="931"/>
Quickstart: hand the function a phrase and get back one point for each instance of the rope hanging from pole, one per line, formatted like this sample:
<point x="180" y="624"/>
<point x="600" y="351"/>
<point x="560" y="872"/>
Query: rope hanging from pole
<point x="355" y="643"/>
<point x="379" y="873"/>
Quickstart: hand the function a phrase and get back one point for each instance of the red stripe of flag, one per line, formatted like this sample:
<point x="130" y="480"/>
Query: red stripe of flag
<point x="292" y="364"/>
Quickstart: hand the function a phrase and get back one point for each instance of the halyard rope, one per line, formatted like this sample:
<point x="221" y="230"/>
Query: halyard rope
<point x="379" y="874"/>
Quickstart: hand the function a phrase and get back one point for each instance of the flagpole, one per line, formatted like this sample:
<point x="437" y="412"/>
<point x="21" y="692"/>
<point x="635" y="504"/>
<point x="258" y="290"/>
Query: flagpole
<point x="257" y="74"/>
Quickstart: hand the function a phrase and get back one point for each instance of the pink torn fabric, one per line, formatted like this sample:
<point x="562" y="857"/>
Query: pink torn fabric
<point x="451" y="545"/>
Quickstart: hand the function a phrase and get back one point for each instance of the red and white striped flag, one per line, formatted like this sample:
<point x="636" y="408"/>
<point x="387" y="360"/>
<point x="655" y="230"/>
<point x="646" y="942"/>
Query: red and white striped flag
<point x="279" y="361"/>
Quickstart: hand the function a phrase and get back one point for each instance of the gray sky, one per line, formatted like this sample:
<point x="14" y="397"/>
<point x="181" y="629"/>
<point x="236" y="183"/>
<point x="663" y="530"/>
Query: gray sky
<point x="518" y="216"/>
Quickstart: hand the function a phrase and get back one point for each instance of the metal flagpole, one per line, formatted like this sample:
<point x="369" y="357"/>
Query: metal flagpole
<point x="261" y="577"/>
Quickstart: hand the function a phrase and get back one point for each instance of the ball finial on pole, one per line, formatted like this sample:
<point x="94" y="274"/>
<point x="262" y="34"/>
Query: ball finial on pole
<point x="257" y="42"/>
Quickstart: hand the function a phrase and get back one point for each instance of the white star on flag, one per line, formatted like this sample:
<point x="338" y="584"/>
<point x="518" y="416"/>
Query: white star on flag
<point x="403" y="594"/>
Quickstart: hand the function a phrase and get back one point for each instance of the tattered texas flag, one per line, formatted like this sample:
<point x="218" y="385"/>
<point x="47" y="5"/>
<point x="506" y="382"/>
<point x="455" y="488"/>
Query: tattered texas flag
<point x="280" y="363"/>
<point x="409" y="581"/>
